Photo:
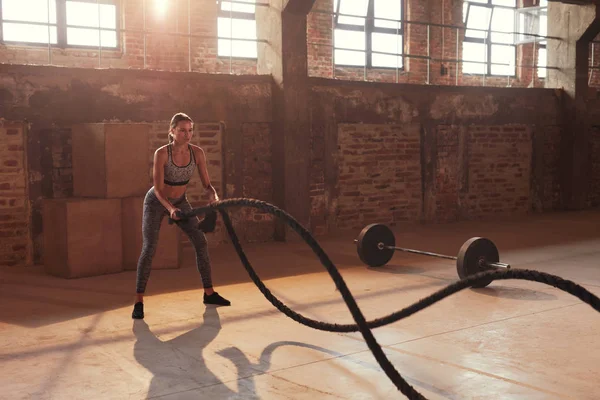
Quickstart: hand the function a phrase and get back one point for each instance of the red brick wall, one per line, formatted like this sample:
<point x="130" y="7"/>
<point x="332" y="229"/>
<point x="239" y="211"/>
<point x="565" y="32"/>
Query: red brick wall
<point x="379" y="174"/>
<point x="62" y="172"/>
<point x="319" y="32"/>
<point x="254" y="225"/>
<point x="551" y="182"/>
<point x="484" y="170"/>
<point x="169" y="53"/>
<point x="15" y="242"/>
<point x="447" y="182"/>
<point x="318" y="196"/>
<point x="499" y="170"/>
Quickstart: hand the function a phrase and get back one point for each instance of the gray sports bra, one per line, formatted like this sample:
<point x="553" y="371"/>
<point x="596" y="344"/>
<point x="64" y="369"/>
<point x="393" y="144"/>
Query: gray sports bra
<point x="176" y="175"/>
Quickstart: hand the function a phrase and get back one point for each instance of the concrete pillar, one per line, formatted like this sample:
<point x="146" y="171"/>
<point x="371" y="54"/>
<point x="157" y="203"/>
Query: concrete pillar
<point x="576" y="25"/>
<point x="284" y="56"/>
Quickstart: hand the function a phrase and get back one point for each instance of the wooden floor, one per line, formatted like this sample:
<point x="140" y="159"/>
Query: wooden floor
<point x="75" y="339"/>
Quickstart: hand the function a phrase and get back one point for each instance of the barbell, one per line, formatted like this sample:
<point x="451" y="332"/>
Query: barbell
<point x="376" y="245"/>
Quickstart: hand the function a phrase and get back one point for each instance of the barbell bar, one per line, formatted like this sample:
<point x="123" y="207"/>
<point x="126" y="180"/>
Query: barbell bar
<point x="376" y="245"/>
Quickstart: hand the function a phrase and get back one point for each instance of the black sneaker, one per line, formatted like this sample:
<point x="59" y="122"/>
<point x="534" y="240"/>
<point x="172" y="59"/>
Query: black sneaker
<point x="138" y="311"/>
<point x="215" y="298"/>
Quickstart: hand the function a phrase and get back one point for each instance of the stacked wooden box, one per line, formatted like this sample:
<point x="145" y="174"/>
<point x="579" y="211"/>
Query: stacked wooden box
<point x="99" y="230"/>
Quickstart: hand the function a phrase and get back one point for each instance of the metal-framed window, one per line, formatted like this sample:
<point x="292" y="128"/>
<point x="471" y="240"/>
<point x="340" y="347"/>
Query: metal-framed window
<point x="483" y="50"/>
<point x="61" y="23"/>
<point x="369" y="33"/>
<point x="236" y="24"/>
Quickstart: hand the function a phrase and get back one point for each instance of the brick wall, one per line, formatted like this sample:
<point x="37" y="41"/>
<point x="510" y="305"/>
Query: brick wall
<point x="379" y="174"/>
<point x="253" y="225"/>
<point x="318" y="196"/>
<point x="15" y="242"/>
<point x="551" y="177"/>
<point x="594" y="190"/>
<point x="498" y="170"/>
<point x="485" y="170"/>
<point x="162" y="52"/>
<point x="447" y="182"/>
<point x="62" y="168"/>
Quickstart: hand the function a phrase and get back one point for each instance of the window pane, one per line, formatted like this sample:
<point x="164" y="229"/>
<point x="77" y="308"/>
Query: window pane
<point x="503" y="20"/>
<point x="28" y="33"/>
<point x="236" y="28"/>
<point x="474" y="52"/>
<point x="245" y="49"/>
<point x="352" y="7"/>
<point x="90" y="37"/>
<point x="387" y="43"/>
<point x="389" y="9"/>
<point x="29" y="10"/>
<point x="479" y="18"/>
<point x="507" y="3"/>
<point x="237" y="48"/>
<point x="542" y="62"/>
<point x="348" y="57"/>
<point x="250" y="8"/>
<point x="503" y="55"/>
<point x="543" y="25"/>
<point x="86" y="14"/>
<point x="349" y="39"/>
<point x="240" y="29"/>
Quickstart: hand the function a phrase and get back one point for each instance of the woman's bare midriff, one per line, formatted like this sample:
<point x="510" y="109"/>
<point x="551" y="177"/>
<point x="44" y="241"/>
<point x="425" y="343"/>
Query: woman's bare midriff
<point x="173" y="192"/>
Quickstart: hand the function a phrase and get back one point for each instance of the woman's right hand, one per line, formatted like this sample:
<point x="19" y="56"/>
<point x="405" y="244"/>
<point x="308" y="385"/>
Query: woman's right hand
<point x="173" y="214"/>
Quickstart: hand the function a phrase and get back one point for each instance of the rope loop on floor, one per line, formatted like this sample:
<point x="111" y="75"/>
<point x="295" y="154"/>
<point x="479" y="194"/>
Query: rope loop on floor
<point x="362" y="325"/>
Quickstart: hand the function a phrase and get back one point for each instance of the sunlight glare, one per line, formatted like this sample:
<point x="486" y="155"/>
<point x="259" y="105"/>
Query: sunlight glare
<point x="161" y="6"/>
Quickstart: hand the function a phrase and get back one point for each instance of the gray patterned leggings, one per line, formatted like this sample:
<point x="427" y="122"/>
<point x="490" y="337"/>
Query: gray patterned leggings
<point x="154" y="212"/>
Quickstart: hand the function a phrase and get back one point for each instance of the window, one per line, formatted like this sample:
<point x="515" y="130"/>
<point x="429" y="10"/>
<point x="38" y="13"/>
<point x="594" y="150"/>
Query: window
<point x="91" y="24"/>
<point x="81" y="23"/>
<point x="369" y="33"/>
<point x="237" y="21"/>
<point x="485" y="52"/>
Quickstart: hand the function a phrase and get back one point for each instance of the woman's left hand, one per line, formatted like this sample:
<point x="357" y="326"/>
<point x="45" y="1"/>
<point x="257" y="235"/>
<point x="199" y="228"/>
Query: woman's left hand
<point x="213" y="197"/>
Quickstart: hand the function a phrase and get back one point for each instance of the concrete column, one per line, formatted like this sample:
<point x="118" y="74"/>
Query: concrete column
<point x="577" y="25"/>
<point x="283" y="25"/>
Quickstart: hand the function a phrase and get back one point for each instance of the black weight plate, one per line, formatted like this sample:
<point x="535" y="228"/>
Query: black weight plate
<point x="471" y="252"/>
<point x="368" y="241"/>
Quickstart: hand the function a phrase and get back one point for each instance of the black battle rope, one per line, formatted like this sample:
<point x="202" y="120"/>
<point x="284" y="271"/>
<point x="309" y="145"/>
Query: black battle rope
<point x="361" y="324"/>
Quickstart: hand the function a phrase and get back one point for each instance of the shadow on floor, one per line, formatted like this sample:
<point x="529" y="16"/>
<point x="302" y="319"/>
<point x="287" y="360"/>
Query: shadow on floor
<point x="180" y="364"/>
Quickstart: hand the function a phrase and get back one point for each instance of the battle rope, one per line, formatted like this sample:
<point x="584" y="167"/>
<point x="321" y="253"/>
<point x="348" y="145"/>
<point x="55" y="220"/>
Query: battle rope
<point x="361" y="324"/>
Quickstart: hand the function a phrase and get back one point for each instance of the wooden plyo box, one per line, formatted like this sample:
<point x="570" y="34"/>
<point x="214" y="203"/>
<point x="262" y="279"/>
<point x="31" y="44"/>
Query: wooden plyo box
<point x="82" y="237"/>
<point x="169" y="248"/>
<point x="110" y="160"/>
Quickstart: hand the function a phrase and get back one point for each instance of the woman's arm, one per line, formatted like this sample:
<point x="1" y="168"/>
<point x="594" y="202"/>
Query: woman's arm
<point x="203" y="172"/>
<point x="158" y="172"/>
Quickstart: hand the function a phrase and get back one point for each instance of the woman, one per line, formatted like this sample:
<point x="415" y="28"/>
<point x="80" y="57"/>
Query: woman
<point x="174" y="165"/>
